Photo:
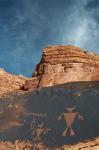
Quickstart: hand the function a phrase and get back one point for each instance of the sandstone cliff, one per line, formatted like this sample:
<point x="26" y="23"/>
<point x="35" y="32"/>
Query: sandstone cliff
<point x="58" y="65"/>
<point x="10" y="82"/>
<point x="62" y="64"/>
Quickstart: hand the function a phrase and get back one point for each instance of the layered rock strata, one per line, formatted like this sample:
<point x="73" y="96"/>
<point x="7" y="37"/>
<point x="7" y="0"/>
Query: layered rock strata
<point x="62" y="64"/>
<point x="58" y="65"/>
<point x="10" y="82"/>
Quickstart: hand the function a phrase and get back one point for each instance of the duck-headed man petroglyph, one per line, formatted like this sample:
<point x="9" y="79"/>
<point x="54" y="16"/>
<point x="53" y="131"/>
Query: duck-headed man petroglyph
<point x="70" y="115"/>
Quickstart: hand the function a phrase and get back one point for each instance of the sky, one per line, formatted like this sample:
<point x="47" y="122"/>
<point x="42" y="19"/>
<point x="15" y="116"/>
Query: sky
<point x="27" y="26"/>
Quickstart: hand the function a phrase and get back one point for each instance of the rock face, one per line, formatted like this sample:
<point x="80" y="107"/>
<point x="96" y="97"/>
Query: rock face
<point x="61" y="64"/>
<point x="10" y="82"/>
<point x="58" y="65"/>
<point x="87" y="145"/>
<point x="19" y="145"/>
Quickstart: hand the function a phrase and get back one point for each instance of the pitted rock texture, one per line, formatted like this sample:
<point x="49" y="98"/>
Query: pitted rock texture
<point x="20" y="145"/>
<point x="87" y="145"/>
<point x="62" y="64"/>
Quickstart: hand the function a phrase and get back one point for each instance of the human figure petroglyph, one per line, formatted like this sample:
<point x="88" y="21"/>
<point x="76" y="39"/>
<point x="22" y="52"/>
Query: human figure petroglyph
<point x="39" y="131"/>
<point x="70" y="115"/>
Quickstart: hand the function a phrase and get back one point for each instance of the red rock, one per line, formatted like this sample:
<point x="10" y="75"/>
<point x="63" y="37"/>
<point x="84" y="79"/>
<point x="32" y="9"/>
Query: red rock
<point x="58" y="65"/>
<point x="10" y="82"/>
<point x="31" y="83"/>
<point x="27" y="145"/>
<point x="62" y="64"/>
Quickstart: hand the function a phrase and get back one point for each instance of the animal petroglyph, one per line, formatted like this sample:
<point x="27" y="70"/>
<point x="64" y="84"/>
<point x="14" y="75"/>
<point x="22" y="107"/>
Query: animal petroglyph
<point x="70" y="115"/>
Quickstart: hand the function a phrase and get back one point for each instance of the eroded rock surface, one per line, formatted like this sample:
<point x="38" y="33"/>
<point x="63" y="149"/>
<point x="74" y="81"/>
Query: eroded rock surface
<point x="62" y="64"/>
<point x="20" y="145"/>
<point x="10" y="82"/>
<point x="58" y="65"/>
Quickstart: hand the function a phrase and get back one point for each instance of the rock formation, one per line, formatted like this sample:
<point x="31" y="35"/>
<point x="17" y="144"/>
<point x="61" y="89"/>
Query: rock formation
<point x="10" y="82"/>
<point x="62" y="64"/>
<point x="20" y="145"/>
<point x="87" y="145"/>
<point x="58" y="65"/>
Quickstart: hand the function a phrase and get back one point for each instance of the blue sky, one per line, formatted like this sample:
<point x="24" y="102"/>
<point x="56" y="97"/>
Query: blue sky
<point x="27" y="26"/>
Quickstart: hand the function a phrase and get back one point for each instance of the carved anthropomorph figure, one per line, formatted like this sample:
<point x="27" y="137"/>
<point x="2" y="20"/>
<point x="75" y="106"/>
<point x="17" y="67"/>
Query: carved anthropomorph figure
<point x="70" y="115"/>
<point x="39" y="131"/>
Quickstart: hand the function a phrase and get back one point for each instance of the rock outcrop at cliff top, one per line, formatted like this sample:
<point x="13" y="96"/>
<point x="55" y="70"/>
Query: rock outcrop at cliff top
<point x="10" y="82"/>
<point x="61" y="64"/>
<point x="58" y="65"/>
